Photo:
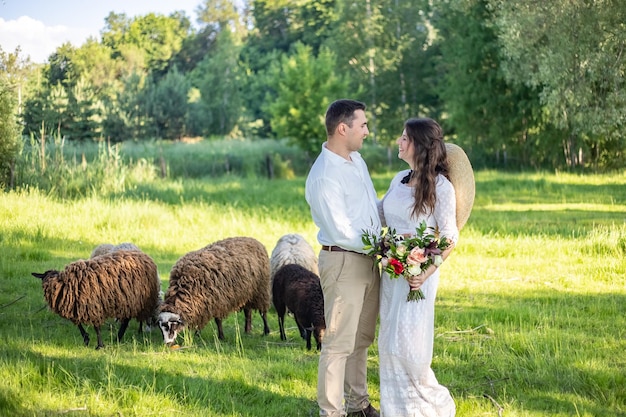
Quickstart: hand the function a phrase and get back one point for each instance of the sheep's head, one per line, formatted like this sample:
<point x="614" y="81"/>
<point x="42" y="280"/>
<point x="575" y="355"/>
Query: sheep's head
<point x="170" y="324"/>
<point x="45" y="274"/>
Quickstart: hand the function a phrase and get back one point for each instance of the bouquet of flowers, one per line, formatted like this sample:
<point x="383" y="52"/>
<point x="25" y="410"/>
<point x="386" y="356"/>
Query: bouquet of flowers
<point x="404" y="256"/>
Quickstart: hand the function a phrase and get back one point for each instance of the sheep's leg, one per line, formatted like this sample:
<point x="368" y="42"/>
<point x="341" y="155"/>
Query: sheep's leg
<point x="266" y="328"/>
<point x="300" y="327"/>
<point x="220" y="331"/>
<point x="305" y="333"/>
<point x="308" y="339"/>
<point x="281" y="326"/>
<point x="100" y="344"/>
<point x="248" y="313"/>
<point x="318" y="337"/>
<point x="280" y="311"/>
<point x="122" y="330"/>
<point x="84" y="333"/>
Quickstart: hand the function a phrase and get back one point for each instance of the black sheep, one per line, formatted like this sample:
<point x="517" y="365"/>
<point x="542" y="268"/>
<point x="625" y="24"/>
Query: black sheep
<point x="299" y="290"/>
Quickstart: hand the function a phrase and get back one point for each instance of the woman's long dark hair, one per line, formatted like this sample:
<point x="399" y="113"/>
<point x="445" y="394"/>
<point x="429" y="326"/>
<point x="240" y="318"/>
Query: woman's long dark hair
<point x="429" y="160"/>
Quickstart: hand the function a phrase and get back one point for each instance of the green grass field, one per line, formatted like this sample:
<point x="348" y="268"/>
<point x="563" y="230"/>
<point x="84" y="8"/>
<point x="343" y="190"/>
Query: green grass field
<point x="531" y="313"/>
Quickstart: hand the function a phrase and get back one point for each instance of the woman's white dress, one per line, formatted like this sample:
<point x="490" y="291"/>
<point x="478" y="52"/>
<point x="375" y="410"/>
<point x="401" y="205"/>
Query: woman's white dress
<point x="408" y="386"/>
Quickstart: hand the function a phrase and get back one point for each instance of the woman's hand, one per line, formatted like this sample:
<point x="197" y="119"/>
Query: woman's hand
<point x="416" y="281"/>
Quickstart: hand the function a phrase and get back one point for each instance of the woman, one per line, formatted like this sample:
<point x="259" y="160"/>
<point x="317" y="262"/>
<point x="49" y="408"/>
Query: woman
<point x="408" y="386"/>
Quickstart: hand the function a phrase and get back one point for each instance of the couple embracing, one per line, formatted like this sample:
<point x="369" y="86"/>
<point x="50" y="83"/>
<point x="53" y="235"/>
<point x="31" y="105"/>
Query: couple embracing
<point x="343" y="204"/>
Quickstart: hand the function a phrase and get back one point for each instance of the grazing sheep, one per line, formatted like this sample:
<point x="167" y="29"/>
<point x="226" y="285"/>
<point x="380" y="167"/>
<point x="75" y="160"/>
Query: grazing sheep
<point x="121" y="285"/>
<point x="108" y="248"/>
<point x="299" y="290"/>
<point x="105" y="248"/>
<point x="214" y="281"/>
<point x="292" y="249"/>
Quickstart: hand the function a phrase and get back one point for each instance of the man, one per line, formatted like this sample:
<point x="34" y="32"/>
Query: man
<point x="343" y="204"/>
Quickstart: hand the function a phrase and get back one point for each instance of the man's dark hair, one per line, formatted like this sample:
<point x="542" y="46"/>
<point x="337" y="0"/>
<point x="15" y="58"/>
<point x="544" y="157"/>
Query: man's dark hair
<point x="341" y="111"/>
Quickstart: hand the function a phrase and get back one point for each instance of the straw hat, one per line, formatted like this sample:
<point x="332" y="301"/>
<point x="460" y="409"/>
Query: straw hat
<point x="462" y="178"/>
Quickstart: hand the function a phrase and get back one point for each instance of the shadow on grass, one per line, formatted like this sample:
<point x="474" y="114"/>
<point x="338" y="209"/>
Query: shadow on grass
<point x="272" y="198"/>
<point x="514" y="188"/>
<point x="548" y="353"/>
<point x="121" y="385"/>
<point x="234" y="192"/>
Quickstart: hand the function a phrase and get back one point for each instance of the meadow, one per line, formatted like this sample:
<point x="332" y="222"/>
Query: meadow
<point x="531" y="310"/>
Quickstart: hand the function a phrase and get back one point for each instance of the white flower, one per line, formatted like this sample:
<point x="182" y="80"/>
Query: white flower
<point x="414" y="270"/>
<point x="438" y="260"/>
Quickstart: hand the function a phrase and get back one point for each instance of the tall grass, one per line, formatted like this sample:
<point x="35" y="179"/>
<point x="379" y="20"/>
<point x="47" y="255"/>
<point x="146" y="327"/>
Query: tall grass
<point x="531" y="311"/>
<point x="77" y="169"/>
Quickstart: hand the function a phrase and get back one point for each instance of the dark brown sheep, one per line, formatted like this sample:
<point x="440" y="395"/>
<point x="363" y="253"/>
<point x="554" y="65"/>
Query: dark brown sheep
<point x="299" y="290"/>
<point x="214" y="281"/>
<point x="121" y="285"/>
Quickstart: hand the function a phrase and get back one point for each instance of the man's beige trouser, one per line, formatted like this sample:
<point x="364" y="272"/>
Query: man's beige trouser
<point x="351" y="285"/>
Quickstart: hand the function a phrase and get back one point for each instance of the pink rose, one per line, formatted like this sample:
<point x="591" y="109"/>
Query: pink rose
<point x="416" y="256"/>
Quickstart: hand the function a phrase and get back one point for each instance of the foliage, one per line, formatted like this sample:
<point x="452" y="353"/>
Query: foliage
<point x="157" y="36"/>
<point x="124" y="114"/>
<point x="9" y="132"/>
<point x="305" y="85"/>
<point x="218" y="78"/>
<point x="572" y="54"/>
<point x="482" y="107"/>
<point x="68" y="173"/>
<point x="72" y="170"/>
<point x="166" y="105"/>
<point x="517" y="84"/>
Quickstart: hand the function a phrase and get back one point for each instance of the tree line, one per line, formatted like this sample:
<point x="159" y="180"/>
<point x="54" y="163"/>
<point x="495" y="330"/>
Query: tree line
<point x="523" y="84"/>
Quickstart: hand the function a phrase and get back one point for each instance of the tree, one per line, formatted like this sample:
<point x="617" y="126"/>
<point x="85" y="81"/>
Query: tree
<point x="83" y="112"/>
<point x="489" y="116"/>
<point x="9" y="131"/>
<point x="383" y="46"/>
<point x="407" y="66"/>
<point x="219" y="78"/>
<point x="305" y="86"/>
<point x="19" y="71"/>
<point x="276" y="26"/>
<point x="167" y="105"/>
<point x="222" y="15"/>
<point x="572" y="52"/>
<point x="194" y="48"/>
<point x="158" y="37"/>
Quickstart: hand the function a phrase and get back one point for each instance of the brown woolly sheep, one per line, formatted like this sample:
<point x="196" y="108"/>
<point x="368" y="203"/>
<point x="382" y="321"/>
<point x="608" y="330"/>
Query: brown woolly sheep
<point x="214" y="281"/>
<point x="105" y="248"/>
<point x="299" y="290"/>
<point x="292" y="249"/>
<point x="121" y="285"/>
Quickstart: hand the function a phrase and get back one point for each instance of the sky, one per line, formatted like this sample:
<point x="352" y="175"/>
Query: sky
<point x="40" y="26"/>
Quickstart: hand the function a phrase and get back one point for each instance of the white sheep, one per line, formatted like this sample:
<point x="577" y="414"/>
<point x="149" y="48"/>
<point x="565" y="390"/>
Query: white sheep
<point x="214" y="281"/>
<point x="105" y="248"/>
<point x="293" y="249"/>
<point x="120" y="284"/>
